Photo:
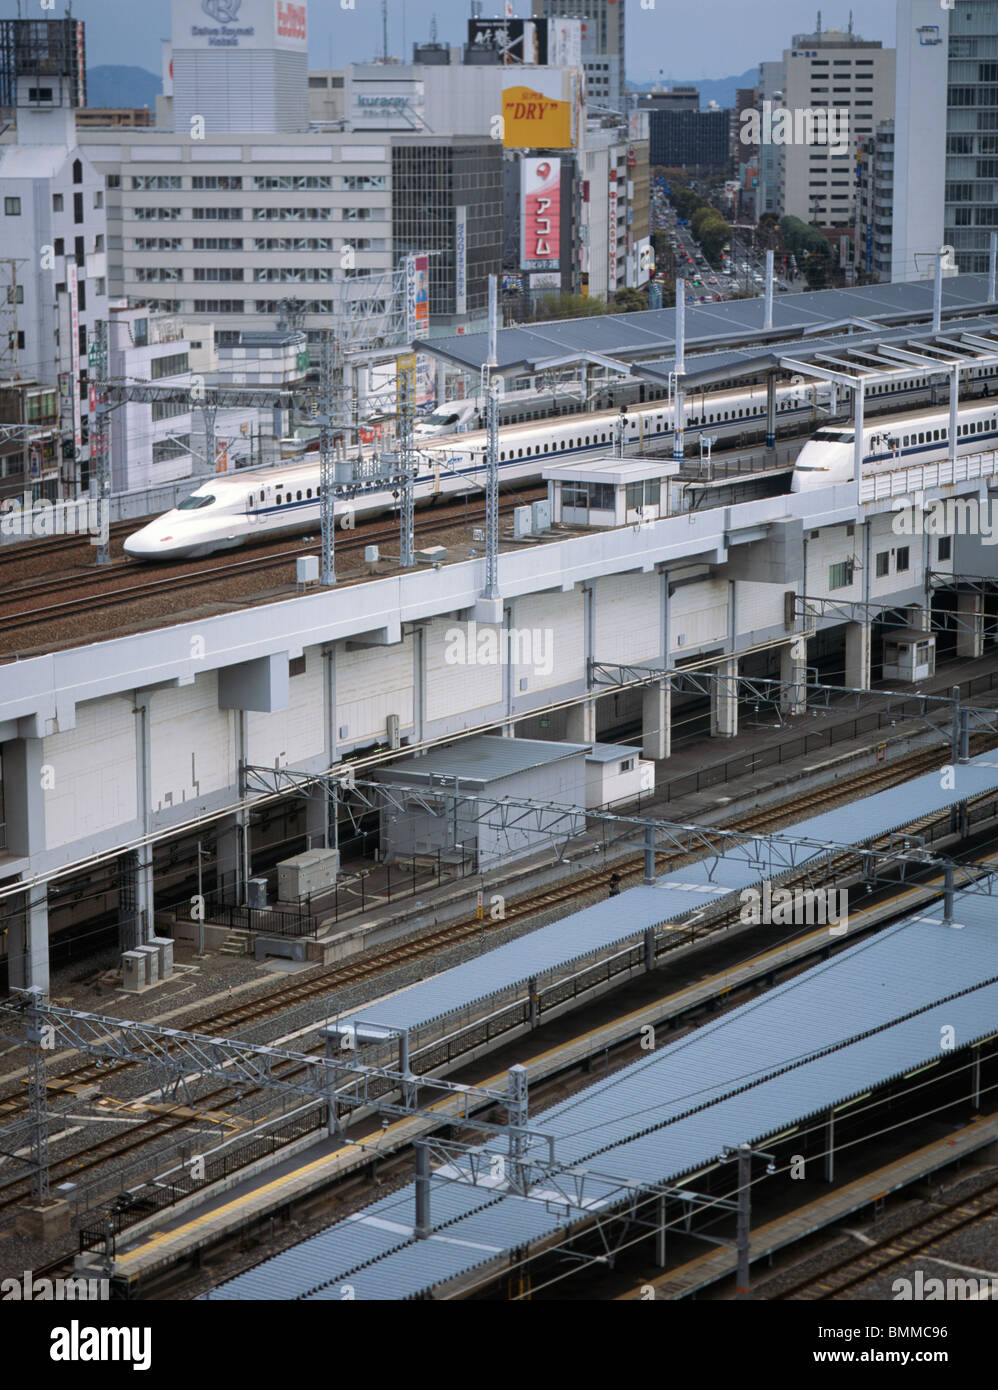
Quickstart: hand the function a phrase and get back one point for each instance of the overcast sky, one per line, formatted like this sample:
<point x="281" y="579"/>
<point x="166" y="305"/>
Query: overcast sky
<point x="678" y="38"/>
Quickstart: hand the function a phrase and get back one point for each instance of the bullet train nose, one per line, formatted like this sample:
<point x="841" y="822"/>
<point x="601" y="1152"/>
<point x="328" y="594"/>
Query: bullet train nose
<point x="153" y="543"/>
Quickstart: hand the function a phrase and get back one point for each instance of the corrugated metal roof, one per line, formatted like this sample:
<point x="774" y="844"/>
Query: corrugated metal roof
<point x="607" y="752"/>
<point x="674" y="897"/>
<point x="859" y="1020"/>
<point x="624" y="336"/>
<point x="485" y="758"/>
<point x="749" y="361"/>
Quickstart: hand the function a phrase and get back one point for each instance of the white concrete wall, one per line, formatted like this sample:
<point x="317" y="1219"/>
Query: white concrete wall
<point x="561" y="619"/>
<point x="371" y="684"/>
<point x="91" y="771"/>
<point x="297" y="733"/>
<point x="192" y="742"/>
<point x="698" y="613"/>
<point x="758" y="606"/>
<point x="628" y="621"/>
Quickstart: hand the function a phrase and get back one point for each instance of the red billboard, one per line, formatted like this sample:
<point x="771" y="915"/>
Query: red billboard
<point x="540" y="201"/>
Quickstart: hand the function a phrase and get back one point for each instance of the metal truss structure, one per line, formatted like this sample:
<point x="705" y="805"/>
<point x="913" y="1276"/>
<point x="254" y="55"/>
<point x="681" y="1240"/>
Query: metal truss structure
<point x="846" y="610"/>
<point x="962" y="583"/>
<point x="766" y="691"/>
<point x="183" y="1061"/>
<point x="548" y="824"/>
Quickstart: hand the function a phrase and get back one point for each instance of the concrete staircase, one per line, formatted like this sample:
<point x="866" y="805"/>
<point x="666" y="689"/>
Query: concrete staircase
<point x="237" y="943"/>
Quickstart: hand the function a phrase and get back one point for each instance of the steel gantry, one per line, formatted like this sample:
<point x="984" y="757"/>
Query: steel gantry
<point x="182" y="1061"/>
<point x="550" y="823"/>
<point x="768" y="691"/>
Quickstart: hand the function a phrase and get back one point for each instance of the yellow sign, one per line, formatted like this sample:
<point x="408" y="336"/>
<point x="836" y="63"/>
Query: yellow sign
<point x="405" y="366"/>
<point x="532" y="121"/>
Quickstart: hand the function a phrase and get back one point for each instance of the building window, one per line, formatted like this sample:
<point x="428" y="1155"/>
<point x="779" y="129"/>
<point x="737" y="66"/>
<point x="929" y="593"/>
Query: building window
<point x="77" y="171"/>
<point x="840" y="575"/>
<point x="15" y="294"/>
<point x="945" y="551"/>
<point x="176" y="365"/>
<point x="12" y="207"/>
<point x="57" y="201"/>
<point x="883" y="563"/>
<point x="901" y="563"/>
<point x="77" y="208"/>
<point x="145" y="183"/>
<point x="212" y="272"/>
<point x="166" y="449"/>
<point x="217" y="214"/>
<point x="211" y="182"/>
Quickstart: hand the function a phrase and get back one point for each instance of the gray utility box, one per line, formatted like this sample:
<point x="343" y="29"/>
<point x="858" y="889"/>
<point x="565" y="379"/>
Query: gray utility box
<point x="133" y="970"/>
<point x="164" y="945"/>
<point x="256" y="893"/>
<point x="151" y="954"/>
<point x="312" y="872"/>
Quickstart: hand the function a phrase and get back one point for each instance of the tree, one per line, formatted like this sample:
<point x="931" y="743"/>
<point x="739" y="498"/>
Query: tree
<point x="628" y="301"/>
<point x="567" y="306"/>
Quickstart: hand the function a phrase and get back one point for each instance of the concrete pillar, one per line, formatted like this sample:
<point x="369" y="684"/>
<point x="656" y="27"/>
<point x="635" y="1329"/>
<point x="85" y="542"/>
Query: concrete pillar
<point x="144" y="895"/>
<point x="232" y="855"/>
<point x="858" y="655"/>
<point x="656" y="721"/>
<point x="28" y="941"/>
<point x="317" y="820"/>
<point x="970" y="633"/>
<point x="793" y="670"/>
<point x="580" y="722"/>
<point x="921" y="619"/>
<point x="724" y="701"/>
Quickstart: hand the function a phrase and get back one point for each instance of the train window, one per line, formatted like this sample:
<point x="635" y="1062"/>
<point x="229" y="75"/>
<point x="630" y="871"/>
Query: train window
<point x="193" y="504"/>
<point x="502" y="458"/>
<point x="308" y="492"/>
<point x="906" y="441"/>
<point x="299" y="494"/>
<point x="563" y="444"/>
<point x="278" y="499"/>
<point x="921" y="437"/>
<point x="587" y="439"/>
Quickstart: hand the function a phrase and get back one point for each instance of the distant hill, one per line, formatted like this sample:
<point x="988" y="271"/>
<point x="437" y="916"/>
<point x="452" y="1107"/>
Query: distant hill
<point x="119" y="86"/>
<point x="719" y="89"/>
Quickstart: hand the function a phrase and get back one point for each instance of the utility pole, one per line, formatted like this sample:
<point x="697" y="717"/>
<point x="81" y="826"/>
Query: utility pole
<point x="490" y="392"/>
<point x="327" y="463"/>
<point x="406" y="395"/>
<point x="100" y="444"/>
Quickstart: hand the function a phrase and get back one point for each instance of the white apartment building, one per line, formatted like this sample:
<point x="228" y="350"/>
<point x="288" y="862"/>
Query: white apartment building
<point x="836" y="71"/>
<point x="150" y="443"/>
<point x="53" y="265"/>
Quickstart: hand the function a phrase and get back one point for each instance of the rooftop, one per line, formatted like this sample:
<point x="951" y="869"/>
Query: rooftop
<point x="483" y="759"/>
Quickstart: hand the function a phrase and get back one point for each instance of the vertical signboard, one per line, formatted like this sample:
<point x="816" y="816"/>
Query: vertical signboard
<point x="405" y="381"/>
<point x="417" y="297"/>
<point x="540" y="214"/>
<point x="461" y="261"/>
<point x="73" y="286"/>
<point x="612" y="245"/>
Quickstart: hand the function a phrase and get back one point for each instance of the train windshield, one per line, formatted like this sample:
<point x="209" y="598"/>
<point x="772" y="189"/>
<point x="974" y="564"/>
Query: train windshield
<point x="833" y="437"/>
<point x="437" y="419"/>
<point x="191" y="504"/>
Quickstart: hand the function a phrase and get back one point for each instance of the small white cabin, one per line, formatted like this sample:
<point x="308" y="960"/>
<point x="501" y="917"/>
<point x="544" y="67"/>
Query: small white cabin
<point x="609" y="492"/>
<point x="909" y="656"/>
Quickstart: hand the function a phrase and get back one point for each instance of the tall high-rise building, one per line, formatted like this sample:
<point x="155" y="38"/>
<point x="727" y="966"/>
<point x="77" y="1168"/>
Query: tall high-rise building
<point x="946" y="136"/>
<point x="603" y="53"/>
<point x="838" y="72"/>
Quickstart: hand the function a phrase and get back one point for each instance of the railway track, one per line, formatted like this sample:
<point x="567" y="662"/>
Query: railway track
<point x="913" y="1239"/>
<point x="407" y="951"/>
<point x="14" y="617"/>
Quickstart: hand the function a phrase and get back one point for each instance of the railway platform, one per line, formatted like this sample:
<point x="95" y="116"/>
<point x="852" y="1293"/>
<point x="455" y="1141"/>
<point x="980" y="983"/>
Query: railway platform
<point x="856" y="1196"/>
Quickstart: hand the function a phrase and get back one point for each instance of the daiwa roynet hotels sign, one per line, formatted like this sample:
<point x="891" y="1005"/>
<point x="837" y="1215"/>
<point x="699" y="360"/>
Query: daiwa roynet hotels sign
<point x="241" y="24"/>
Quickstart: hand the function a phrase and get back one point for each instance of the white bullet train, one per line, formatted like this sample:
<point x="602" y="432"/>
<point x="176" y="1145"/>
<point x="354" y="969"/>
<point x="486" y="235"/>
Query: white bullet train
<point x="227" y="511"/>
<point x="896" y="442"/>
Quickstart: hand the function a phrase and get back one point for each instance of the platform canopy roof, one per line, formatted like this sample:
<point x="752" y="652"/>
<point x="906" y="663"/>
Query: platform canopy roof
<point x="616" y="340"/>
